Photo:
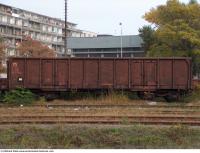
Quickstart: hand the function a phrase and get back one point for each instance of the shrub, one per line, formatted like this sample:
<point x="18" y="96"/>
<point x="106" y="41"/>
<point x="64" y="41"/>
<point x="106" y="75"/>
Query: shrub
<point x="19" y="96"/>
<point x="194" y="96"/>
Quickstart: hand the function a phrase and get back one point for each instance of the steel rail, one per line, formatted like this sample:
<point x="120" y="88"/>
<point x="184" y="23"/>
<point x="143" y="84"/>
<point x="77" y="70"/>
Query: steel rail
<point x="167" y="120"/>
<point x="192" y="123"/>
<point x="105" y="106"/>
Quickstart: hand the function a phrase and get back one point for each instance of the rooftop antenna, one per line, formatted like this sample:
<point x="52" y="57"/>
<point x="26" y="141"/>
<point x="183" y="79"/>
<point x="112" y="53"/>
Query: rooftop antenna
<point x="66" y="27"/>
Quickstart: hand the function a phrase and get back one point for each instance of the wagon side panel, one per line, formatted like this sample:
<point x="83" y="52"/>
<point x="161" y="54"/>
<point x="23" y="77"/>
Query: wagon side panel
<point x="61" y="74"/>
<point x="106" y="73"/>
<point x="150" y="74"/>
<point x="122" y="74"/>
<point x="76" y="73"/>
<point x="165" y="74"/>
<point x="136" y="74"/>
<point x="16" y="73"/>
<point x="32" y="73"/>
<point x="47" y="73"/>
<point x="91" y="74"/>
<point x="181" y="74"/>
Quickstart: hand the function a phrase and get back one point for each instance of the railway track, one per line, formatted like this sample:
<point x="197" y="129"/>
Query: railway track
<point x="101" y="114"/>
<point x="86" y="119"/>
<point x="117" y="106"/>
<point x="108" y="106"/>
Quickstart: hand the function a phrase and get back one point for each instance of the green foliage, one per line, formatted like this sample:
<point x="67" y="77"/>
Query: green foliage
<point x="1" y="96"/>
<point x="147" y="34"/>
<point x="19" y="96"/>
<point x="193" y="2"/>
<point x="177" y="31"/>
<point x="194" y="96"/>
<point x="100" y="137"/>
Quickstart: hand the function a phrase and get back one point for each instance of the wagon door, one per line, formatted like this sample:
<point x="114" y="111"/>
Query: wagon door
<point x="150" y="73"/>
<point x="61" y="75"/>
<point x="76" y="73"/>
<point x="91" y="75"/>
<point x="181" y="71"/>
<point x="122" y="74"/>
<point x="47" y="73"/>
<point x="106" y="73"/>
<point x="32" y="73"/>
<point x="136" y="74"/>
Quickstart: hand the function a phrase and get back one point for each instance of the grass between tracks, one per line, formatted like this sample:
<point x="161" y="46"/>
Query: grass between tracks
<point x="69" y="137"/>
<point x="194" y="96"/>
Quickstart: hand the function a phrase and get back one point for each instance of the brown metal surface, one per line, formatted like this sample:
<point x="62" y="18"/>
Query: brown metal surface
<point x="3" y="84"/>
<point x="122" y="74"/>
<point x="47" y="69"/>
<point x="150" y="73"/>
<point x="136" y="73"/>
<point x="91" y="74"/>
<point x="180" y="74"/>
<point x="61" y="73"/>
<point x="33" y="73"/>
<point x="16" y="76"/>
<point x="106" y="73"/>
<point x="76" y="73"/>
<point x="83" y="73"/>
<point x="165" y="74"/>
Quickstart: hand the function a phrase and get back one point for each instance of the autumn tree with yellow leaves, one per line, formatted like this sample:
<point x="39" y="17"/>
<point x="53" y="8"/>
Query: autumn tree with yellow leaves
<point x="174" y="31"/>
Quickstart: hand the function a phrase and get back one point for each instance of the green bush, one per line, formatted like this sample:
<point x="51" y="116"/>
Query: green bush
<point x="19" y="96"/>
<point x="194" y="96"/>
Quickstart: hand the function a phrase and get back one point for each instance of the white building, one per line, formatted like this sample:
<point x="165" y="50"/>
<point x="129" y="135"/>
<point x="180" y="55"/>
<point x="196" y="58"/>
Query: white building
<point x="16" y="23"/>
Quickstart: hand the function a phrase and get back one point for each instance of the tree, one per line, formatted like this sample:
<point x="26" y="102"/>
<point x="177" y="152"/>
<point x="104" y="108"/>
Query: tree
<point x="193" y="2"/>
<point x="33" y="48"/>
<point x="177" y="30"/>
<point x="147" y="34"/>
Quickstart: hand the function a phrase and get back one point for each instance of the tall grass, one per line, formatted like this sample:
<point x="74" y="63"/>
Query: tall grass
<point x="194" y="96"/>
<point x="108" y="97"/>
<point x="100" y="137"/>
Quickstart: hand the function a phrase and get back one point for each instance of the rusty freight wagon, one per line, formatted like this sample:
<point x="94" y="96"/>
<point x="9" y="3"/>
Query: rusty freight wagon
<point x="149" y="77"/>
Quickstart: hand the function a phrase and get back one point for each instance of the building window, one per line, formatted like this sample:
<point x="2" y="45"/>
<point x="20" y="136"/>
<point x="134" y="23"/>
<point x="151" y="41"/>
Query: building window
<point x="4" y="19"/>
<point x="49" y="29"/>
<point x="26" y="23"/>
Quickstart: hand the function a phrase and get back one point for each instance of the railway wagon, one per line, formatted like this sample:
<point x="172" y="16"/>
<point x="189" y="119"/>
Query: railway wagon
<point x="3" y="84"/>
<point x="149" y="77"/>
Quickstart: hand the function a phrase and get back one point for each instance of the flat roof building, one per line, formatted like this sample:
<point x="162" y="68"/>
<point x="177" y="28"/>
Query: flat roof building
<point x="106" y="46"/>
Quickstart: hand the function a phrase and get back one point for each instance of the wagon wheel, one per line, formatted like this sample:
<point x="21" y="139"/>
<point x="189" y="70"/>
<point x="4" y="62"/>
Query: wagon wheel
<point x="50" y="97"/>
<point x="146" y="95"/>
<point x="173" y="97"/>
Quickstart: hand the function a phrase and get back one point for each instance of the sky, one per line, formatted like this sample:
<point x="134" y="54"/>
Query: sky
<point x="100" y="16"/>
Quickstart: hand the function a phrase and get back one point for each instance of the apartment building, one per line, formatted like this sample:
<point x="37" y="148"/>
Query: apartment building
<point x="16" y="24"/>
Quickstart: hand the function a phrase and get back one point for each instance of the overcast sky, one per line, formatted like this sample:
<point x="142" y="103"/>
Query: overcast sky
<point x="100" y="16"/>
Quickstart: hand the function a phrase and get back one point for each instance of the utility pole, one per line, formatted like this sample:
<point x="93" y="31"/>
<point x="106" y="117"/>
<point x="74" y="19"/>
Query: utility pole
<point x="66" y="27"/>
<point x="121" y="40"/>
